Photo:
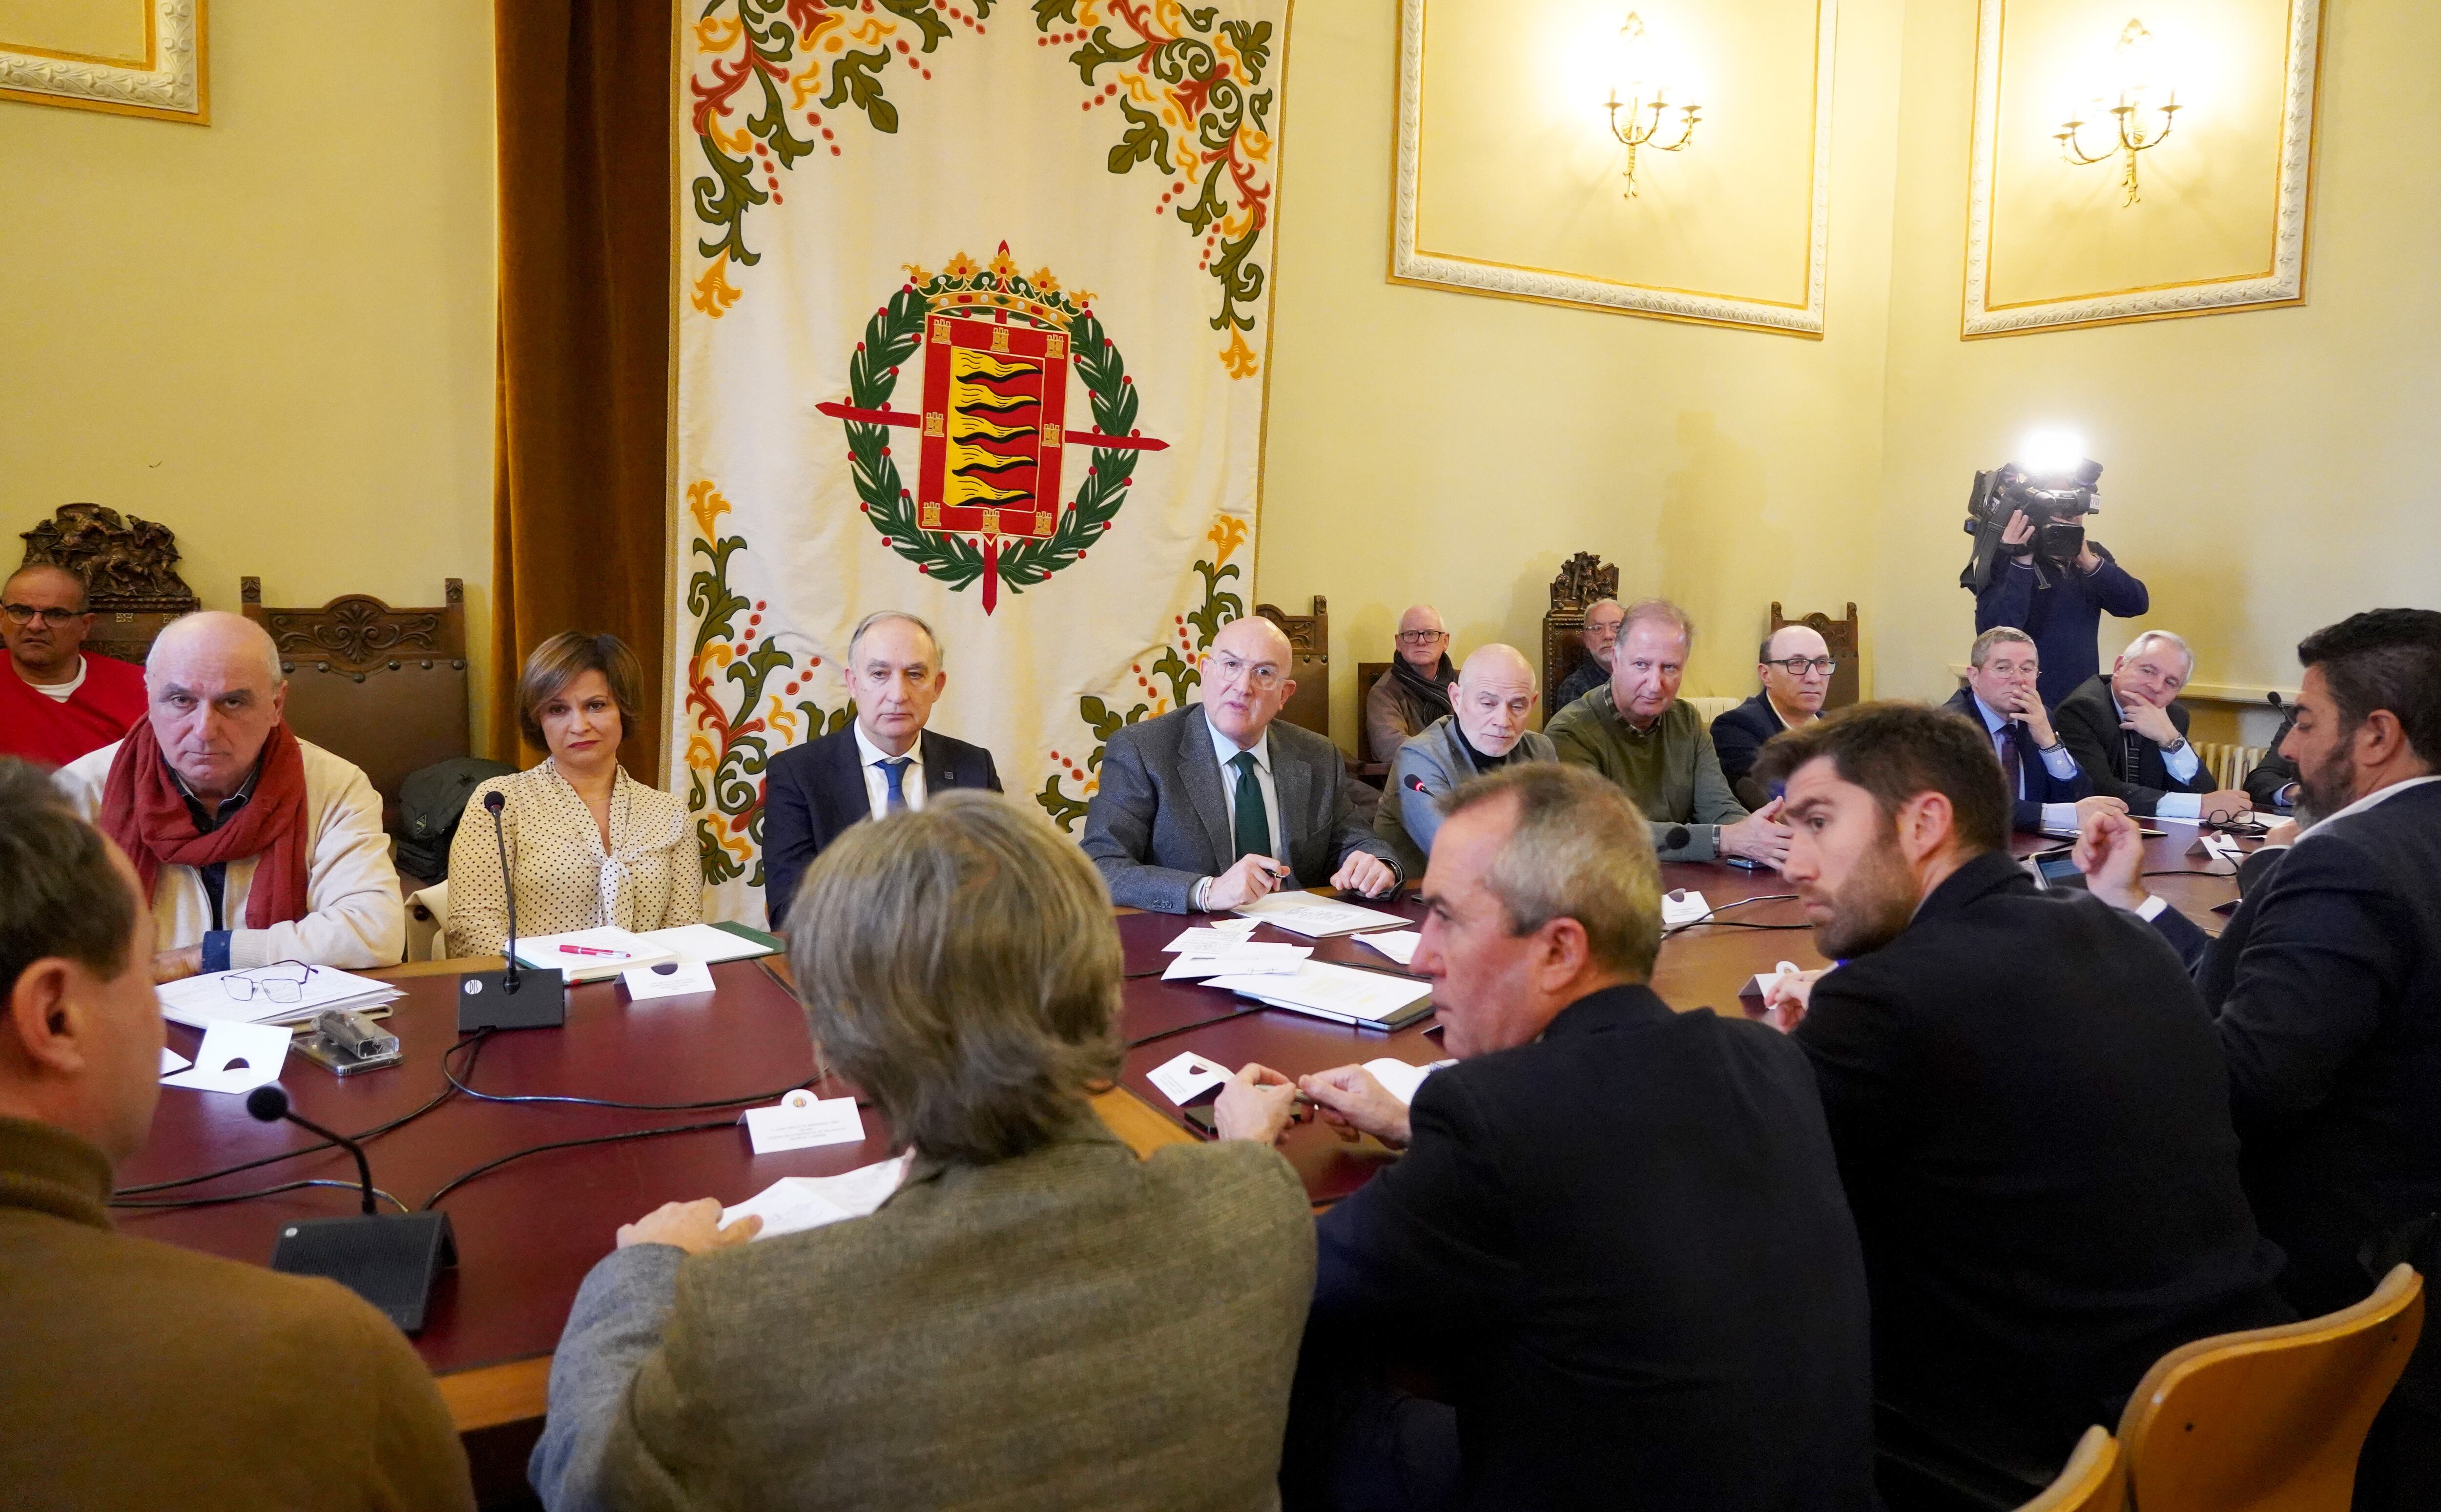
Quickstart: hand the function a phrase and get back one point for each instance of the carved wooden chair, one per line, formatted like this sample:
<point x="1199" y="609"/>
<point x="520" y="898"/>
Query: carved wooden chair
<point x="130" y="567"/>
<point x="1583" y="580"/>
<point x="1367" y="674"/>
<point x="1840" y="636"/>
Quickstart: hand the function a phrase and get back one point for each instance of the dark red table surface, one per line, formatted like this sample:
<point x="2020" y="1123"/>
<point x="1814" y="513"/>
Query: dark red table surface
<point x="527" y="1231"/>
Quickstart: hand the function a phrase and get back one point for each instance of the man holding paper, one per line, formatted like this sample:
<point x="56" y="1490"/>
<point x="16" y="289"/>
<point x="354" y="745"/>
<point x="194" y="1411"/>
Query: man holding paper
<point x="1631" y="1214"/>
<point x="1211" y="806"/>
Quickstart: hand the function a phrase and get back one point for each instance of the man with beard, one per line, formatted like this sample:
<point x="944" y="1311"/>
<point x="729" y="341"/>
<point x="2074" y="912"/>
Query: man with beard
<point x="1405" y="701"/>
<point x="2029" y="1107"/>
<point x="2326" y="991"/>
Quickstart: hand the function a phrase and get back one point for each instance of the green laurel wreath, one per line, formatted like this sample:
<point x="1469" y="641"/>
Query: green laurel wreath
<point x="890" y="338"/>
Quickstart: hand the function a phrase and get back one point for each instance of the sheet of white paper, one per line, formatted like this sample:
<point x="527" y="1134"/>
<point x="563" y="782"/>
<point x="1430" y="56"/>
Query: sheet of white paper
<point x="202" y="1001"/>
<point x="628" y="951"/>
<point x="1765" y="978"/>
<point x="1224" y="934"/>
<point x="671" y="979"/>
<point x="801" y="1121"/>
<point x="701" y="941"/>
<point x="1184" y="1078"/>
<point x="1399" y="945"/>
<point x="1244" y="960"/>
<point x="1345" y="991"/>
<point x="1399" y="1079"/>
<point x="235" y="1058"/>
<point x="795" y="1203"/>
<point x="172" y="1060"/>
<point x="1315" y="917"/>
<point x="1684" y="906"/>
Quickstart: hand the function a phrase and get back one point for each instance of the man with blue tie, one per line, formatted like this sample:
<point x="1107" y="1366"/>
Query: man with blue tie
<point x="885" y="762"/>
<point x="2047" y="789"/>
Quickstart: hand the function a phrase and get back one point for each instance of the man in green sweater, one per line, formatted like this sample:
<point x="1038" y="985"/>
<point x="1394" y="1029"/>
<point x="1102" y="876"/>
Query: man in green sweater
<point x="1636" y="732"/>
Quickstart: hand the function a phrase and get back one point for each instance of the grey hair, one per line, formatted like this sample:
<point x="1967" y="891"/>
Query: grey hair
<point x="959" y="964"/>
<point x="1580" y="850"/>
<point x="2185" y="650"/>
<point x="879" y="615"/>
<point x="185" y="625"/>
<point x="1660" y="611"/>
<point x="1982" y="651"/>
<point x="64" y="896"/>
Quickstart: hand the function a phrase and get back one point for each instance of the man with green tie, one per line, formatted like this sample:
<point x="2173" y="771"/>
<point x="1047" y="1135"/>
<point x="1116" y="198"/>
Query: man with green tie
<point x="1215" y="804"/>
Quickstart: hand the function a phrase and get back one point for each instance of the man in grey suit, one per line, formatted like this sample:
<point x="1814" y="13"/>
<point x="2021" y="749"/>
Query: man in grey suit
<point x="1484" y="731"/>
<point x="1174" y="833"/>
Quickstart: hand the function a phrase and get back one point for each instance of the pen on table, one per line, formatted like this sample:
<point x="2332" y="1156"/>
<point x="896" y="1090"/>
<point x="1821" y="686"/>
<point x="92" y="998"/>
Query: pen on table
<point x="588" y="950"/>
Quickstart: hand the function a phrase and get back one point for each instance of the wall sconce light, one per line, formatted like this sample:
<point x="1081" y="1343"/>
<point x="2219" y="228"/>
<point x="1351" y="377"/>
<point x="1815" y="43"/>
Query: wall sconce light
<point x="2140" y="127"/>
<point x="1647" y="98"/>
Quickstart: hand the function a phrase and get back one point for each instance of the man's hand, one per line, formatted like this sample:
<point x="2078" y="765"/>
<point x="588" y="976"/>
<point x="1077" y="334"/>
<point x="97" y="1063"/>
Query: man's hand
<point x="2027" y="710"/>
<point x="2110" y="852"/>
<point x="1257" y="1104"/>
<point x="2284" y="833"/>
<point x="693" y="1227"/>
<point x="1786" y="996"/>
<point x="2097" y="804"/>
<point x="1252" y="877"/>
<point x="2088" y="561"/>
<point x="2224" y="805"/>
<point x="1353" y="1102"/>
<point x="187" y="960"/>
<point x="1759" y="836"/>
<point x="2017" y="536"/>
<point x="2150" y="721"/>
<point x="1365" y="873"/>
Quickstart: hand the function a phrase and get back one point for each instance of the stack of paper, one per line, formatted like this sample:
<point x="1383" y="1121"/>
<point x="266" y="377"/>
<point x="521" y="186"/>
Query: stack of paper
<point x="590" y="955"/>
<point x="1314" y="916"/>
<point x="711" y="942"/>
<point x="1237" y="960"/>
<point x="795" y="1203"/>
<point x="244" y="997"/>
<point x="1374" y="1000"/>
<point x="1399" y="945"/>
<point x="1222" y="935"/>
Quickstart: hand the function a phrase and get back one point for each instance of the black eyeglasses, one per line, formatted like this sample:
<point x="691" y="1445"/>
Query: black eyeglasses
<point x="28" y="614"/>
<point x="1799" y="666"/>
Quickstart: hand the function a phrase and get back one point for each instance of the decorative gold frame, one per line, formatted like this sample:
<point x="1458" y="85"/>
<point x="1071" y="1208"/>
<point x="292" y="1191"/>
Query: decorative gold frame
<point x="1412" y="264"/>
<point x="2281" y="284"/>
<point x="168" y="82"/>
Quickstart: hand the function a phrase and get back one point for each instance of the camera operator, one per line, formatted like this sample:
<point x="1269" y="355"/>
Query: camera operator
<point x="2060" y="603"/>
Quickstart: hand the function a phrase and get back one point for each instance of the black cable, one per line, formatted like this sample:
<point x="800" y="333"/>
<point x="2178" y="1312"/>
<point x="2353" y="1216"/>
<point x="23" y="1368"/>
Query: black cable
<point x="248" y="1196"/>
<point x="464" y="1176"/>
<point x="459" y="1085"/>
<point x="1713" y="917"/>
<point x="1201" y="1023"/>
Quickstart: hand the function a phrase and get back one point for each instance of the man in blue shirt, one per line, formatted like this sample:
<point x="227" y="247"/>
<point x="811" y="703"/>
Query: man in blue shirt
<point x="2047" y="789"/>
<point x="2060" y="604"/>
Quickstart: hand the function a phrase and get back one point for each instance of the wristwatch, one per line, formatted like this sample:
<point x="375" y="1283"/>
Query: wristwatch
<point x="2174" y="747"/>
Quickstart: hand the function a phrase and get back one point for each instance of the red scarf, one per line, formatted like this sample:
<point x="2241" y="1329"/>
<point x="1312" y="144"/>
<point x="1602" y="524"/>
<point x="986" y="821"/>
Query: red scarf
<point x="145" y="811"/>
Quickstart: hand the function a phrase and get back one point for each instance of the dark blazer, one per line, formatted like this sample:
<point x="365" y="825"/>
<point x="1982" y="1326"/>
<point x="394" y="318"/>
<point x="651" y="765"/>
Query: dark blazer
<point x="1624" y="1246"/>
<point x="1738" y="735"/>
<point x="2088" y="720"/>
<point x="1159" y="822"/>
<point x="2326" y="988"/>
<point x="2275" y="772"/>
<point x="812" y="792"/>
<point x="2063" y="612"/>
<point x="2033" y="1123"/>
<point x="2037" y="785"/>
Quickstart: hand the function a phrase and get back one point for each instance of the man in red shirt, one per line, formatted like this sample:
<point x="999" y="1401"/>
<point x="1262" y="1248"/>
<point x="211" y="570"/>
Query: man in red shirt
<point x="57" y="703"/>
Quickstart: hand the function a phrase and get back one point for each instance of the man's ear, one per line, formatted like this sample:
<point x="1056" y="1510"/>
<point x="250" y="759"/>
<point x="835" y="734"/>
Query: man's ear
<point x="1925" y="824"/>
<point x="2378" y="739"/>
<point x="1563" y="948"/>
<point x="42" y="1015"/>
<point x="1288" y="689"/>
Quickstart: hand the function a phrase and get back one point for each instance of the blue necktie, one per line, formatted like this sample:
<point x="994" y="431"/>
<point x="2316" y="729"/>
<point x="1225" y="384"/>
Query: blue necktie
<point x="893" y="771"/>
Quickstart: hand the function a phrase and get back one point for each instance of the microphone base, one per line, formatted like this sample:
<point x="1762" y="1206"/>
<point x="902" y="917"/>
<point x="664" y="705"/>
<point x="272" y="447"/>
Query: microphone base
<point x="390" y="1262"/>
<point x="486" y="1000"/>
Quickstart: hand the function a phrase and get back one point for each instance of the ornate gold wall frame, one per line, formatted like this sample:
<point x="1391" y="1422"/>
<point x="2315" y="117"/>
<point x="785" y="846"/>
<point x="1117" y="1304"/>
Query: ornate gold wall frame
<point x="151" y="64"/>
<point x="2121" y="289"/>
<point x="1794" y="307"/>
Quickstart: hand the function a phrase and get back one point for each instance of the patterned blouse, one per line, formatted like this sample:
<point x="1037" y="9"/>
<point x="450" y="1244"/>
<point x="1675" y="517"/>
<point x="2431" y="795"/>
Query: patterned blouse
<point x="652" y="878"/>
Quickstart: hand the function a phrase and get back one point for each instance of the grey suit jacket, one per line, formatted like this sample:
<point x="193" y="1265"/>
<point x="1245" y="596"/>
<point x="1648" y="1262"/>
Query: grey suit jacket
<point x="1071" y="1328"/>
<point x="1160" y="822"/>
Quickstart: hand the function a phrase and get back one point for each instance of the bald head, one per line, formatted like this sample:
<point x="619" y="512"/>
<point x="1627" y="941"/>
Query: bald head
<point x="1246" y="679"/>
<point x="216" y="693"/>
<point x="46" y="645"/>
<point x="1495" y="697"/>
<point x="1423" y="640"/>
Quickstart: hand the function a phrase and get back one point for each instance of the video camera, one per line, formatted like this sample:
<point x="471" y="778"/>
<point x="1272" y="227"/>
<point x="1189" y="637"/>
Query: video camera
<point x="2057" y="499"/>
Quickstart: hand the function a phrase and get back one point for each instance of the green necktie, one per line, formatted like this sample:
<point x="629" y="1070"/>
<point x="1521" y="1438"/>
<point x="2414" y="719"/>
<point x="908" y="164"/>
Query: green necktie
<point x="1253" y="820"/>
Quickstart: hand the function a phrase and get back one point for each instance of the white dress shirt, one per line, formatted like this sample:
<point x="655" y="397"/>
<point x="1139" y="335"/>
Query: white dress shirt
<point x="1225" y="750"/>
<point x="877" y="782"/>
<point x="2056" y="761"/>
<point x="2183" y="764"/>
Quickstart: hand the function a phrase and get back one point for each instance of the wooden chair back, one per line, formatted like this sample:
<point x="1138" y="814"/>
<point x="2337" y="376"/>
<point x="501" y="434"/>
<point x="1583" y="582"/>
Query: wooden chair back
<point x="2269" y="1420"/>
<point x="2094" y="1479"/>
<point x="1840" y="636"/>
<point x="1309" y="634"/>
<point x="1583" y="580"/>
<point x="130" y="567"/>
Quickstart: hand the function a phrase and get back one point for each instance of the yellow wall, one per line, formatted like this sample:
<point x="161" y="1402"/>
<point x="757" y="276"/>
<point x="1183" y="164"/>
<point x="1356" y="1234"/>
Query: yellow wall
<point x="273" y="334"/>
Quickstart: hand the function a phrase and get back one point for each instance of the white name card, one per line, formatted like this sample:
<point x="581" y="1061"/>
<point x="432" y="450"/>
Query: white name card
<point x="802" y="1121"/>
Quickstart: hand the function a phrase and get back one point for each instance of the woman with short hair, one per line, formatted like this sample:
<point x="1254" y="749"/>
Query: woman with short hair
<point x="588" y="844"/>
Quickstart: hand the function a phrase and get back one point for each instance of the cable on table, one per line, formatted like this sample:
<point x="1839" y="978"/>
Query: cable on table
<point x="466" y="1176"/>
<point x="1201" y="1023"/>
<point x="248" y="1196"/>
<point x="458" y="1083"/>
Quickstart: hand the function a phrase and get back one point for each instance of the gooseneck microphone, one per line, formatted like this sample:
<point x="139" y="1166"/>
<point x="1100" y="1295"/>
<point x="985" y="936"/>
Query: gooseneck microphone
<point x="494" y="802"/>
<point x="269" y="1104"/>
<point x="512" y="997"/>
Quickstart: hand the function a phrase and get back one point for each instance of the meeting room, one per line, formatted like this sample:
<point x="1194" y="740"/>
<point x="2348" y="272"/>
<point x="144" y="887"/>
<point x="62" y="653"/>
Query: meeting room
<point x="958" y="754"/>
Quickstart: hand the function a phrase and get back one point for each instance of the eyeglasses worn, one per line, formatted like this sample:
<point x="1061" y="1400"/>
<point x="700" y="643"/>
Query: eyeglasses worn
<point x="1799" y="666"/>
<point x="1421" y="638"/>
<point x="1262" y="675"/>
<point x="28" y="614"/>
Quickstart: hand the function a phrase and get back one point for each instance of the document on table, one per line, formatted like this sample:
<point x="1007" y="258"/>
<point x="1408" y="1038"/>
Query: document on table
<point x="1222" y="935"/>
<point x="707" y="943"/>
<point x="590" y="955"/>
<point x="244" y="997"/>
<point x="1399" y="945"/>
<point x="1399" y="1079"/>
<point x="1238" y="960"/>
<point x="795" y="1203"/>
<point x="1346" y="994"/>
<point x="1314" y="916"/>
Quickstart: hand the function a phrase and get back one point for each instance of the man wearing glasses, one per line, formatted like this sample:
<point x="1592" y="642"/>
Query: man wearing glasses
<point x="1795" y="665"/>
<point x="1405" y="700"/>
<point x="57" y="703"/>
<point x="1601" y="637"/>
<point x="1211" y="806"/>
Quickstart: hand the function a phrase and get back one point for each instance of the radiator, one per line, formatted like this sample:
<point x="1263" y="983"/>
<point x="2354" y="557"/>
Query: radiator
<point x="2228" y="763"/>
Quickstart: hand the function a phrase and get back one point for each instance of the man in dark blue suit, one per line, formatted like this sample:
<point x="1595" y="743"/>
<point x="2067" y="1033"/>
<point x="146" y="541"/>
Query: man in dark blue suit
<point x="2047" y="790"/>
<point x="884" y="761"/>
<point x="2326" y="991"/>
<point x="1795" y="665"/>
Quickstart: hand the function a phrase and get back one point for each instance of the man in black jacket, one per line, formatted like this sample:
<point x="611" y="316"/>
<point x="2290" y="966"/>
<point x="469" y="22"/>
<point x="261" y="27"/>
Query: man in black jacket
<point x="1616" y="1233"/>
<point x="2029" y="1106"/>
<point x="2047" y="788"/>
<point x="2326" y="989"/>
<point x="884" y="761"/>
<point x="2129" y="732"/>
<point x="1795" y="666"/>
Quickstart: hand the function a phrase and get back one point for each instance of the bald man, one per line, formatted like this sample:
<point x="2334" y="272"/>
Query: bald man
<point x="253" y="846"/>
<point x="57" y="703"/>
<point x="1484" y="731"/>
<point x="1211" y="806"/>
<point x="1416" y="690"/>
<point x="1795" y="665"/>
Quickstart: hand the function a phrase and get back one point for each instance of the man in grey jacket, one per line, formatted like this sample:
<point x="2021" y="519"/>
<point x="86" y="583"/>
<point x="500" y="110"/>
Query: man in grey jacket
<point x="1485" y="731"/>
<point x="1216" y="805"/>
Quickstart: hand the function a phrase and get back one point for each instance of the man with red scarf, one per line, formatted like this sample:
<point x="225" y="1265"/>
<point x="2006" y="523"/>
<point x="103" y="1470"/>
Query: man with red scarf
<point x="57" y="703"/>
<point x="254" y="846"/>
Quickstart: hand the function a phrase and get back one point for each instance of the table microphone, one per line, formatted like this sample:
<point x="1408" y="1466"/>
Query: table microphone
<point x="390" y="1260"/>
<point x="509" y="999"/>
<point x="1676" y="838"/>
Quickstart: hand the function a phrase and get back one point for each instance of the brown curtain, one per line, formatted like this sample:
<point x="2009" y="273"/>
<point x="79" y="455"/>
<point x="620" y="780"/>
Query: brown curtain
<point x="580" y="491"/>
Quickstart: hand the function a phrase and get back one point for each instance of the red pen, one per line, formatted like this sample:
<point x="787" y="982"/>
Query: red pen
<point x="588" y="950"/>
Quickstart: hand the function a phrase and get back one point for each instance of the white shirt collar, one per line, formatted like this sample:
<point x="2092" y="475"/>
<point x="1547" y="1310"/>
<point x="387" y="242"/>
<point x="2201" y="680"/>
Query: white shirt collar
<point x="2377" y="796"/>
<point x="870" y="754"/>
<point x="1224" y="750"/>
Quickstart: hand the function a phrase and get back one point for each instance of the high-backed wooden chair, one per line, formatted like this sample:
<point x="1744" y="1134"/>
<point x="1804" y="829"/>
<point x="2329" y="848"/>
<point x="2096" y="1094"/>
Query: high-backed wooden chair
<point x="384" y="688"/>
<point x="1840" y="635"/>
<point x="2269" y="1420"/>
<point x="1309" y="634"/>
<point x="2094" y="1479"/>
<point x="130" y="567"/>
<point x="1583" y="580"/>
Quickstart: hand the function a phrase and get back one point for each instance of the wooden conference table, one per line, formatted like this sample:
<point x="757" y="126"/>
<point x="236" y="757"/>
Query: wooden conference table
<point x="527" y="1231"/>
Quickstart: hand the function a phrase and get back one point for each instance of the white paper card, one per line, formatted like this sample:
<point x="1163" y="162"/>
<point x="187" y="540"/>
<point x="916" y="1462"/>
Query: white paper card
<point x="801" y="1121"/>
<point x="1399" y="945"/>
<point x="1224" y="934"/>
<point x="701" y="941"/>
<point x="671" y="979"/>
<point x="1315" y="917"/>
<point x="172" y="1060"/>
<point x="1682" y="906"/>
<point x="1184" y="1078"/>
<point x="1765" y="978"/>
<point x="1244" y="960"/>
<point x="796" y="1203"/>
<point x="1399" y="1079"/>
<point x="235" y="1058"/>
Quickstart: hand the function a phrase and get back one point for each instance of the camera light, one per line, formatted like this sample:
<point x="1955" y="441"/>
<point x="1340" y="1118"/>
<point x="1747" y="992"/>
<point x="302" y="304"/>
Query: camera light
<point x="2052" y="453"/>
